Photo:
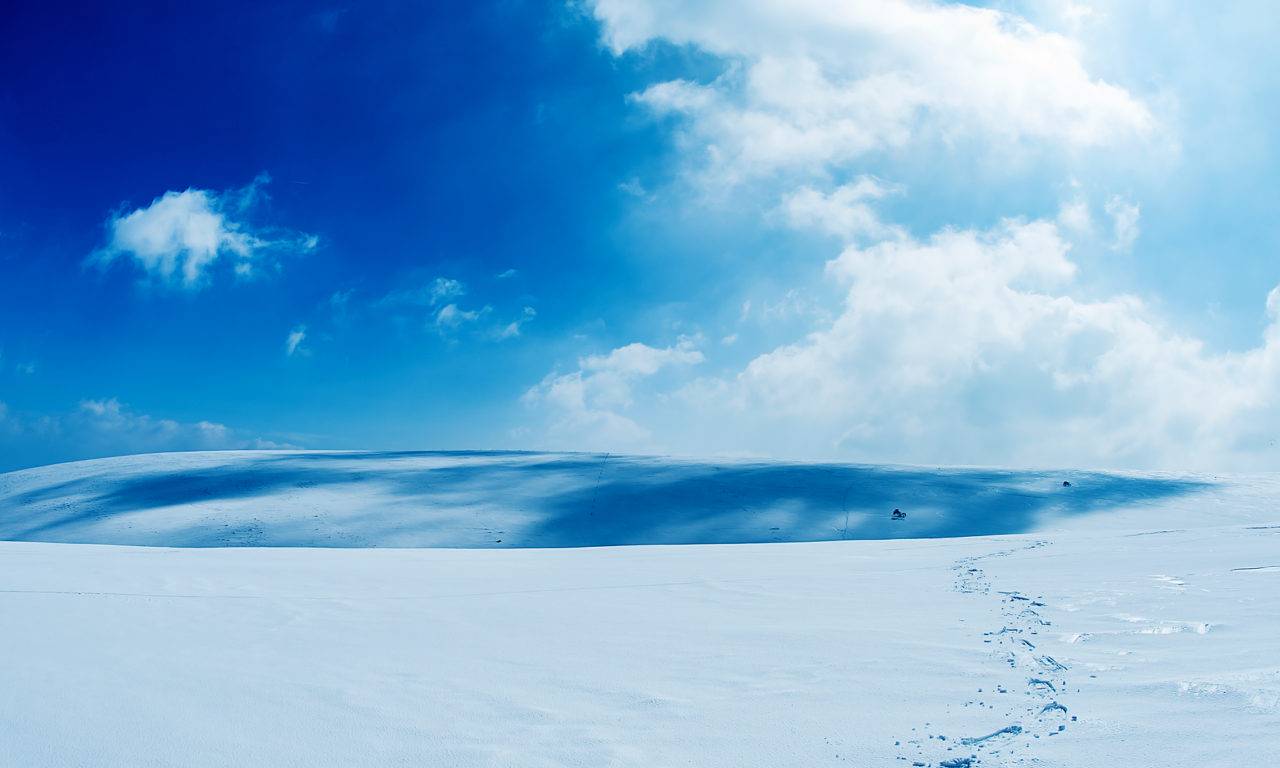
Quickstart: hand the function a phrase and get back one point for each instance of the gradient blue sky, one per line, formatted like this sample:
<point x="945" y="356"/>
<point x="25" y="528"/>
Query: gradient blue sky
<point x="874" y="230"/>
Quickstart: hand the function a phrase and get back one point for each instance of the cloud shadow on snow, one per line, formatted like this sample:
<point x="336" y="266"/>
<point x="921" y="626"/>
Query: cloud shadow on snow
<point x="570" y="500"/>
<point x="771" y="502"/>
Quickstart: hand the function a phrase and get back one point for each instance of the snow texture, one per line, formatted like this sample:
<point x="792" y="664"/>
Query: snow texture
<point x="1008" y="620"/>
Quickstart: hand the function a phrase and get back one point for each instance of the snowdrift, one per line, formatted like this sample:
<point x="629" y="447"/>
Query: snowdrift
<point x="516" y="499"/>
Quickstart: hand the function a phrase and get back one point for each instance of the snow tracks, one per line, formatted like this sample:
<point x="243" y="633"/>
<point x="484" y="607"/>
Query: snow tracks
<point x="1027" y="696"/>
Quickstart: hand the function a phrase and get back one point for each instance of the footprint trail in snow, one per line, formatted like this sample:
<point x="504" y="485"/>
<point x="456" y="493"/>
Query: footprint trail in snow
<point x="1027" y="696"/>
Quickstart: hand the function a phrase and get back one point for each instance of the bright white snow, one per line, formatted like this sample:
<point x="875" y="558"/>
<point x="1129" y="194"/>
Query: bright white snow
<point x="1123" y="620"/>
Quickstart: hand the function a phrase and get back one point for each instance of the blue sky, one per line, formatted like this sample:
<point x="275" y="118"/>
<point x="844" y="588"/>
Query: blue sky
<point x="873" y="230"/>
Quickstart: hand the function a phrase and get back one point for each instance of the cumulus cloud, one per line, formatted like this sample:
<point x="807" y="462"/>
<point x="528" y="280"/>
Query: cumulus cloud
<point x="816" y="83"/>
<point x="587" y="407"/>
<point x="973" y="343"/>
<point x="968" y="345"/>
<point x="180" y="236"/>
<point x="845" y="212"/>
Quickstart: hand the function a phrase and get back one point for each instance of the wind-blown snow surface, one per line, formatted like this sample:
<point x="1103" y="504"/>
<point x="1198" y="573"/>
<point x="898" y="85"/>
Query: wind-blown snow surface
<point x="1123" y="620"/>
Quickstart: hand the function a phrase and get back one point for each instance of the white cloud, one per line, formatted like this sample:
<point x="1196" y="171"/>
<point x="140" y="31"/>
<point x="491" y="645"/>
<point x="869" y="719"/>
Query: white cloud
<point x="1074" y="216"/>
<point x="438" y="297"/>
<point x="438" y="292"/>
<point x="817" y="83"/>
<point x="1076" y="13"/>
<point x="1124" y="220"/>
<point x="340" y="300"/>
<point x="451" y="317"/>
<point x="432" y="294"/>
<point x="339" y="306"/>
<point x="636" y="359"/>
<point x="110" y="417"/>
<point x="25" y="368"/>
<point x="512" y="330"/>
<point x="445" y="288"/>
<point x="179" y="237"/>
<point x="972" y="344"/>
<point x="586" y="406"/>
<point x="845" y="212"/>
<point x="293" y="342"/>
<point x="635" y="188"/>
<point x="791" y="305"/>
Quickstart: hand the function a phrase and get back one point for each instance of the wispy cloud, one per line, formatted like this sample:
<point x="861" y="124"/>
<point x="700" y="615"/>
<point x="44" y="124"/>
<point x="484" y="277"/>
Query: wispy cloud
<point x="512" y="329"/>
<point x="293" y="342"/>
<point x="108" y="427"/>
<point x="430" y="294"/>
<point x="21" y="367"/>
<point x="439" y="305"/>
<point x="1124" y="221"/>
<point x="450" y="317"/>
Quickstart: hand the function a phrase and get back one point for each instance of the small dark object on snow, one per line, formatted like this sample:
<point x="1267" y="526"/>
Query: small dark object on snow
<point x="899" y="515"/>
<point x="1066" y="484"/>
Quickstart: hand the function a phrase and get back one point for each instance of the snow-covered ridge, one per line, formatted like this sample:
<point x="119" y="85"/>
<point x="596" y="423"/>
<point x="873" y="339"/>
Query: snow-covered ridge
<point x="518" y="499"/>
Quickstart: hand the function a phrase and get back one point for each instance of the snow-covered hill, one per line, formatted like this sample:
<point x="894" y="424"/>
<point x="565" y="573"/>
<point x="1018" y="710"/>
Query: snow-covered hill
<point x="324" y="499"/>
<point x="1120" y="620"/>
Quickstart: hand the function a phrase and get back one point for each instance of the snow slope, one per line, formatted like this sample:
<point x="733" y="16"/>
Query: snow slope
<point x="1124" y="620"/>
<point x="324" y="499"/>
